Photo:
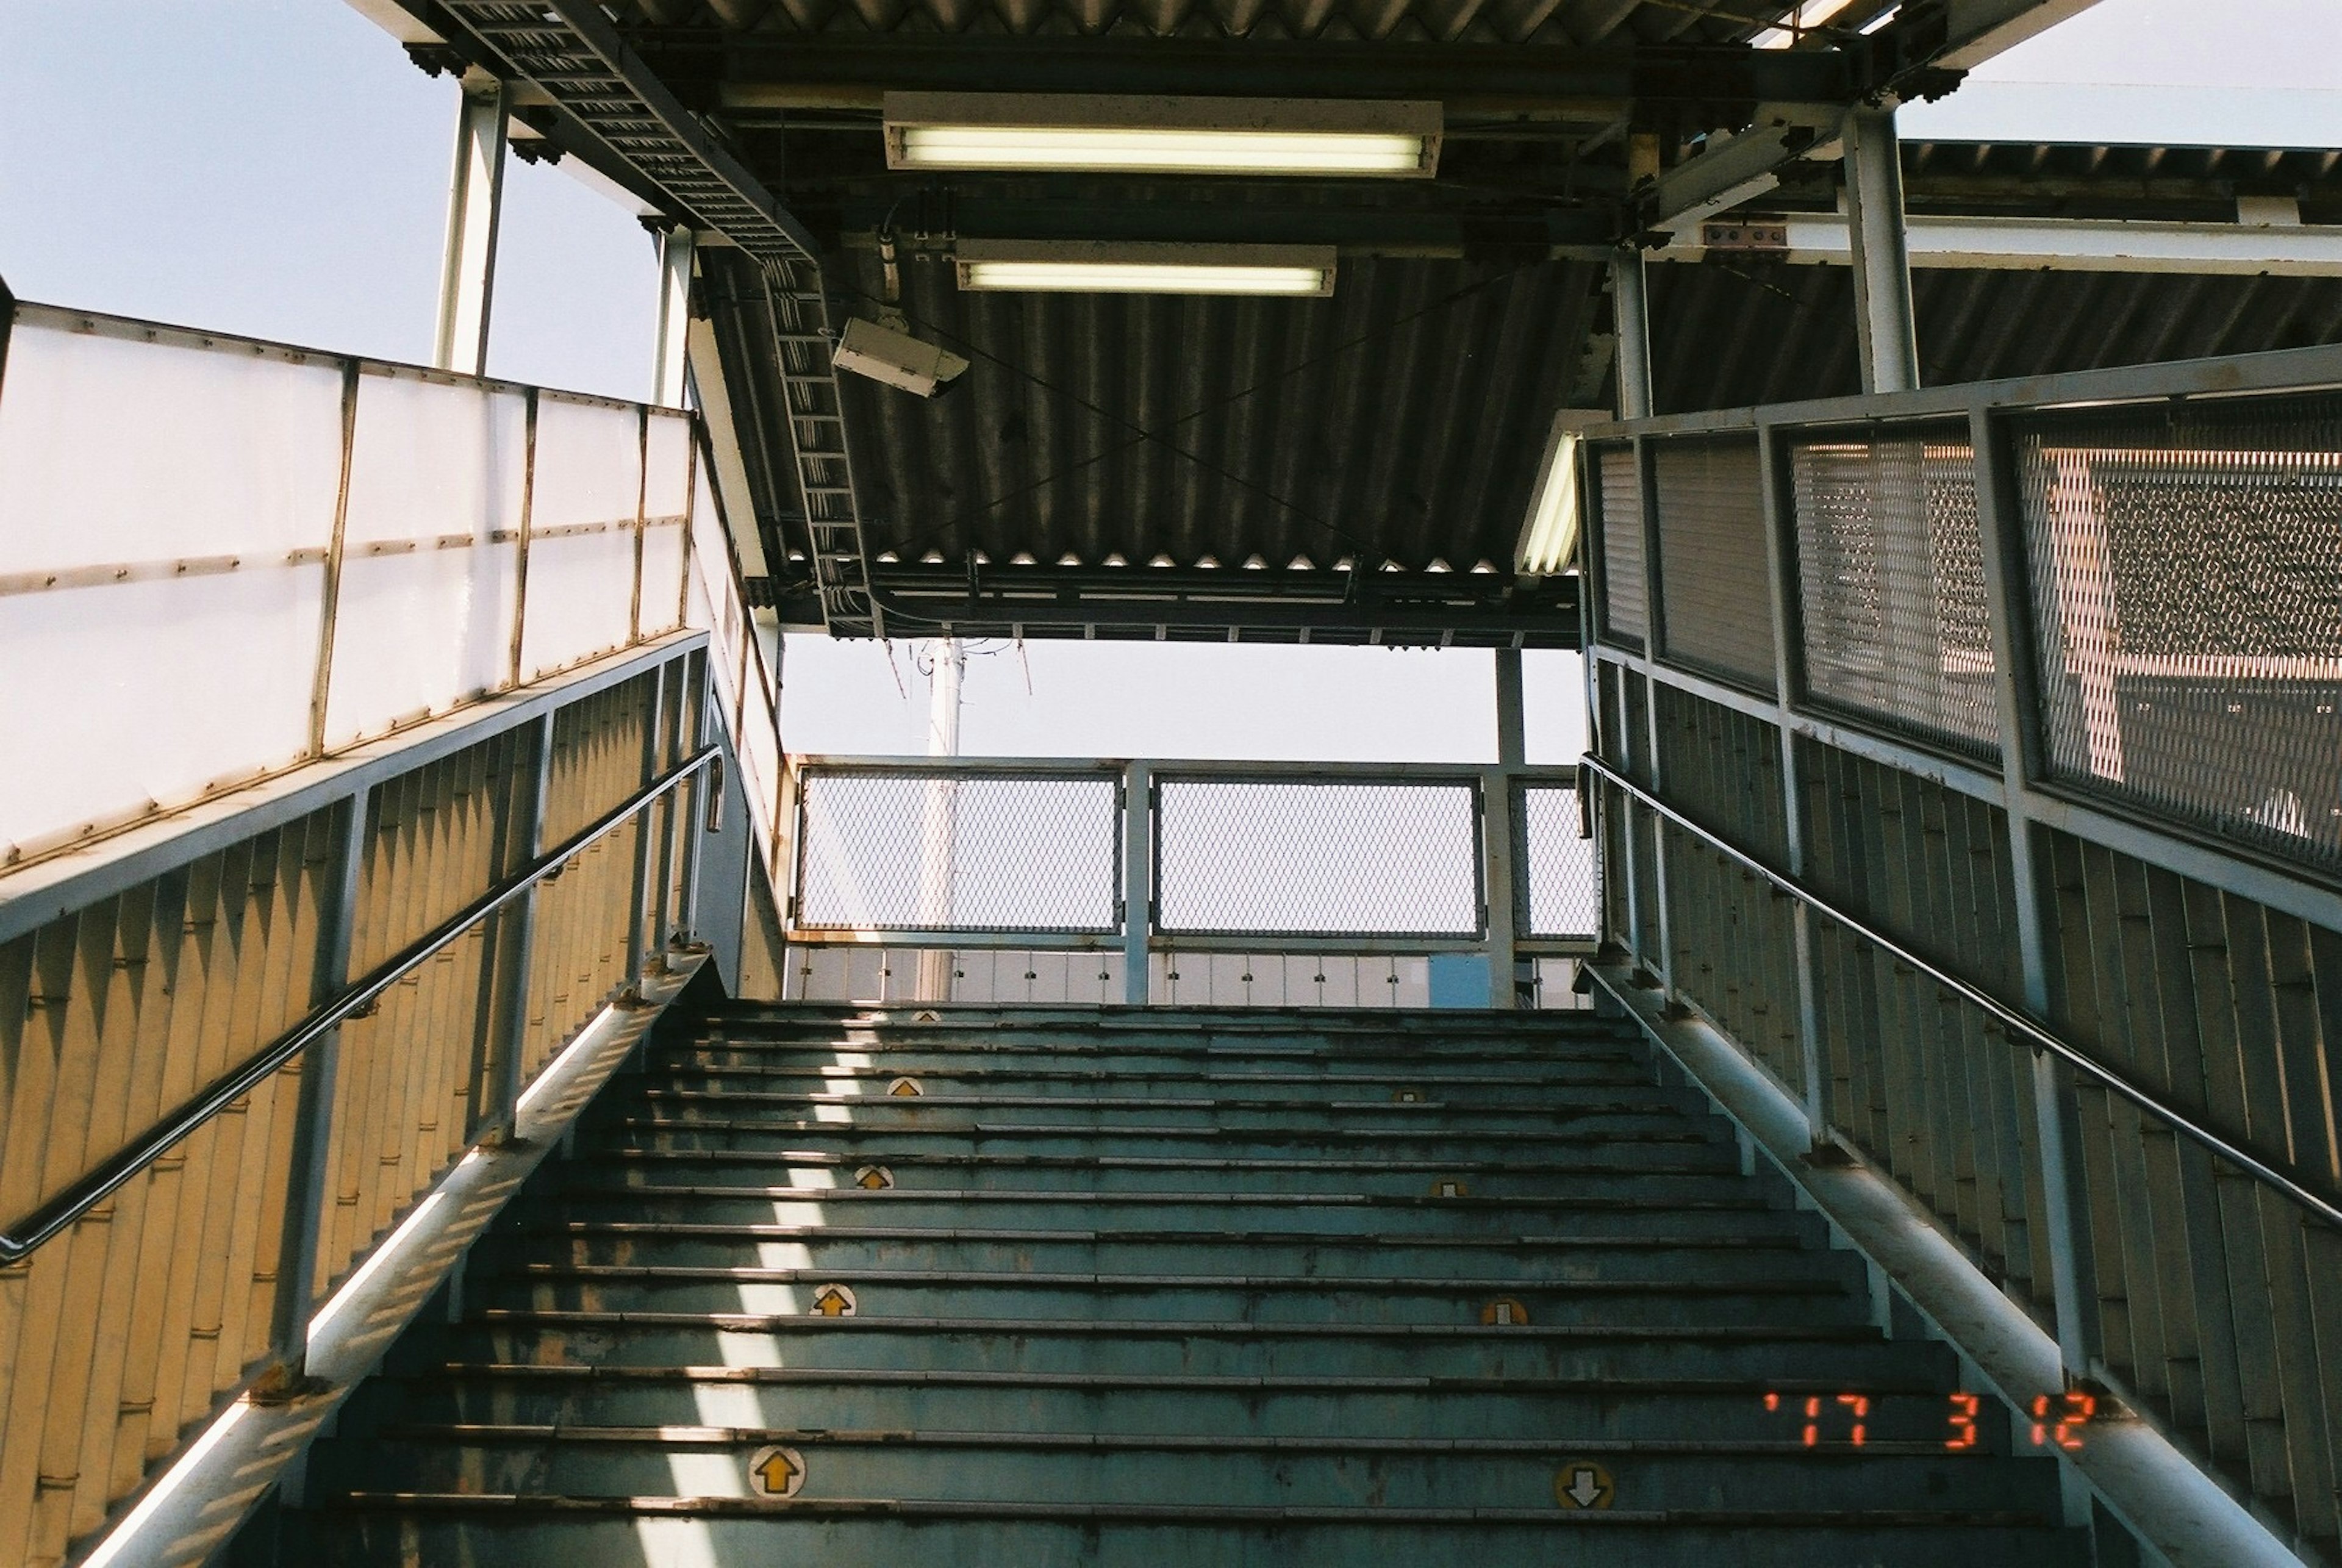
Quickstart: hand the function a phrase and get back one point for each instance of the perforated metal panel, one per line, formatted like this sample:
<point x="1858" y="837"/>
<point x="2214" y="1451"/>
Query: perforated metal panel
<point x="909" y="851"/>
<point x="2186" y="573"/>
<point x="1245" y="856"/>
<point x="1624" y="583"/>
<point x="1718" y="612"/>
<point x="1890" y="583"/>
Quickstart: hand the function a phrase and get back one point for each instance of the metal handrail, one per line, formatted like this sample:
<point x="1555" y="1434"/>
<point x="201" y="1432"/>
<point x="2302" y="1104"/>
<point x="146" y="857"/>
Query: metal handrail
<point x="2008" y="1017"/>
<point x="94" y="1187"/>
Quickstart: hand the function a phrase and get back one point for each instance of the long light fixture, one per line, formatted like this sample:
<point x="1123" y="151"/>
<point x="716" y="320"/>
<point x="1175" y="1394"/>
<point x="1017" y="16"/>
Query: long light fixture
<point x="1078" y="133"/>
<point x="1798" y="23"/>
<point x="1115" y="267"/>
<point x="1549" y="537"/>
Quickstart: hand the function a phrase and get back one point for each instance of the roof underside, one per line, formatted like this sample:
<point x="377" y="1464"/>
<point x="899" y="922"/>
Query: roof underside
<point x="1354" y="468"/>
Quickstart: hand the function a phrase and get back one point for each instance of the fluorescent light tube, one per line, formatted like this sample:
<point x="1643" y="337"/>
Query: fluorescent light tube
<point x="1548" y="540"/>
<point x="1072" y="132"/>
<point x="1087" y="266"/>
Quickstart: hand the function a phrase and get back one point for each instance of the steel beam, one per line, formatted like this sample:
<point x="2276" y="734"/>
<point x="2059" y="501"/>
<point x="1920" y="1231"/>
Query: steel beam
<point x="746" y="72"/>
<point x="475" y="189"/>
<point x="671" y="347"/>
<point x="2053" y="245"/>
<point x="1886" y="327"/>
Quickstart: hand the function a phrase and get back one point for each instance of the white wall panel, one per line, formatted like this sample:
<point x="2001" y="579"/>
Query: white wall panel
<point x="113" y="453"/>
<point x="161" y="691"/>
<point x="418" y="633"/>
<point x="580" y="596"/>
<point x="662" y="578"/>
<point x="666" y="487"/>
<point x="589" y="461"/>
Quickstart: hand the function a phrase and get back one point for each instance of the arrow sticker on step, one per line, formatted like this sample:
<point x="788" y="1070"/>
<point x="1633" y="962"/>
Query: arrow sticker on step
<point x="872" y="1178"/>
<point x="834" y="1301"/>
<point x="1581" y="1483"/>
<point x="776" y="1472"/>
<point x="901" y="1088"/>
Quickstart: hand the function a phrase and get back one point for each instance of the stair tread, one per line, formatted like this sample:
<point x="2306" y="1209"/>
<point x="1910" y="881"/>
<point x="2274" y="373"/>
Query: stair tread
<point x="1541" y="1163"/>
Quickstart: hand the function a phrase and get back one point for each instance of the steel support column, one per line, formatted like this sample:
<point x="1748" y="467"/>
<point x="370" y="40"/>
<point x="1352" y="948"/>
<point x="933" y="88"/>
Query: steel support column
<point x="475" y="189"/>
<point x="1500" y="835"/>
<point x="677" y="247"/>
<point x="1137" y="878"/>
<point x="1630" y="313"/>
<point x="308" y="1170"/>
<point x="2057" y="1111"/>
<point x="1884" y="326"/>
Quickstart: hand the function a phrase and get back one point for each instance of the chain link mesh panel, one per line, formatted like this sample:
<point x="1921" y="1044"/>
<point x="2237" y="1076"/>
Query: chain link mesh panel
<point x="1245" y="856"/>
<point x="1718" y="611"/>
<point x="1624" y="582"/>
<point x="913" y="850"/>
<point x="2186" y="574"/>
<point x="1890" y="579"/>
<point x="1564" y="891"/>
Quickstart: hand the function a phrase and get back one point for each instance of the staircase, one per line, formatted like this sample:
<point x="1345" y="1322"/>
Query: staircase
<point x="1023" y="1287"/>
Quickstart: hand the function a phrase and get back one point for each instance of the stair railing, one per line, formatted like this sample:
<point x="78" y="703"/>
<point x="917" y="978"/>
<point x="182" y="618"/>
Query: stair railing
<point x="2015" y="1020"/>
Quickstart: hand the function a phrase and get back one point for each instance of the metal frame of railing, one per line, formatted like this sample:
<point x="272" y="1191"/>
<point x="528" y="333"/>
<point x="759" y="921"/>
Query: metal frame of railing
<point x="19" y="1240"/>
<point x="2032" y="1029"/>
<point x="2090" y="1191"/>
<point x="1500" y="891"/>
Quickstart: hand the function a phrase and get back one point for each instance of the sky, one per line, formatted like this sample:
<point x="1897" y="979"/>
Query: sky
<point x="278" y="168"/>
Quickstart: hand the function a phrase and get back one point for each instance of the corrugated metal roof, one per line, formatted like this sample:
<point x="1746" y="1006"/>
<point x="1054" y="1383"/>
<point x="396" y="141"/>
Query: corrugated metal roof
<point x="1402" y="419"/>
<point x="1726" y="333"/>
<point x="1553" y="22"/>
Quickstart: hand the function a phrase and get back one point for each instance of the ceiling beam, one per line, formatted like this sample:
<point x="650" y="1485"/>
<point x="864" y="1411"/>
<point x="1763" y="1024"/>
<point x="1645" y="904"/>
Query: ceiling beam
<point x="1587" y="231"/>
<point x="746" y="71"/>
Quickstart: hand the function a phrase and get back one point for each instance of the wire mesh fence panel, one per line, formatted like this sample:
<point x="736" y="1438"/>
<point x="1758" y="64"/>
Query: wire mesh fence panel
<point x="1716" y="613"/>
<point x="1565" y="892"/>
<point x="1239" y="857"/>
<point x="1619" y="495"/>
<point x="2187" y="577"/>
<point x="1890" y="582"/>
<point x="916" y="851"/>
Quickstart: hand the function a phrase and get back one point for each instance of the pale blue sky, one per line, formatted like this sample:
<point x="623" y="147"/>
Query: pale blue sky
<point x="277" y="167"/>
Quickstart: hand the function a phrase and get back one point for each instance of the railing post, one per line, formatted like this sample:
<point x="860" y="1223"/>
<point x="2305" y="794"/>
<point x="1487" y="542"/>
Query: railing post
<point x="705" y="819"/>
<point x="312" y="1121"/>
<point x="516" y="950"/>
<point x="1780" y="573"/>
<point x="673" y="748"/>
<point x="1138" y="877"/>
<point x="638" y="897"/>
<point x="1654" y="640"/>
<point x="2057" y="1111"/>
<point x="1500" y="856"/>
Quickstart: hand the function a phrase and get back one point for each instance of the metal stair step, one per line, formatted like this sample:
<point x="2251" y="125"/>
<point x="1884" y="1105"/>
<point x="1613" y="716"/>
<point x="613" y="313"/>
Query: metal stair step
<point x="560" y="1533"/>
<point x="924" y="1196"/>
<point x="1240" y="1471"/>
<point x="1842" y="1353"/>
<point x="1908" y="1408"/>
<point x="1262" y="1298"/>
